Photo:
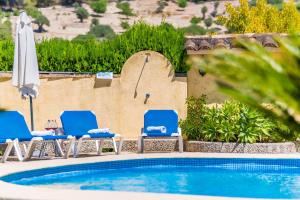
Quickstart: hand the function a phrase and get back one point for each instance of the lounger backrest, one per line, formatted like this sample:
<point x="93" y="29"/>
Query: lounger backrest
<point x="166" y="118"/>
<point x="13" y="126"/>
<point x="78" y="122"/>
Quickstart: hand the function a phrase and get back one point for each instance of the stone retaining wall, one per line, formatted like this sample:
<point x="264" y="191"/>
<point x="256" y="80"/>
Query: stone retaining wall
<point x="222" y="147"/>
<point x="171" y="145"/>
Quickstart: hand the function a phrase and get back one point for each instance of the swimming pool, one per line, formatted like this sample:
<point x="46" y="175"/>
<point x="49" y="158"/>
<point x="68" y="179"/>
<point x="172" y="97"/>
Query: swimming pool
<point x="234" y="177"/>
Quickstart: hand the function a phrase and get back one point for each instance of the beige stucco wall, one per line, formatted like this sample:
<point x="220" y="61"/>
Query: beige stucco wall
<point x="114" y="102"/>
<point x="198" y="85"/>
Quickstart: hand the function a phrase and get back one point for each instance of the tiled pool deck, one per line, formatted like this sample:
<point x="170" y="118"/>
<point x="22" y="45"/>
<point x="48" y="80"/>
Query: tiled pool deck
<point x="11" y="191"/>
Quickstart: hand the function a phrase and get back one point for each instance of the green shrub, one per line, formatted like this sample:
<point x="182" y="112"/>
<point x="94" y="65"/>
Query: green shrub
<point x="99" y="6"/>
<point x="208" y="22"/>
<point x="125" y="8"/>
<point x="231" y="122"/>
<point x="84" y="38"/>
<point x="102" y="31"/>
<point x="5" y="30"/>
<point x="82" y="13"/>
<point x="109" y="55"/>
<point x="213" y="13"/>
<point x="76" y="5"/>
<point x="161" y="5"/>
<point x="95" y="21"/>
<point x="6" y="54"/>
<point x="182" y="3"/>
<point x="16" y="13"/>
<point x="195" y="20"/>
<point x="216" y="5"/>
<point x="125" y="25"/>
<point x="194" y="30"/>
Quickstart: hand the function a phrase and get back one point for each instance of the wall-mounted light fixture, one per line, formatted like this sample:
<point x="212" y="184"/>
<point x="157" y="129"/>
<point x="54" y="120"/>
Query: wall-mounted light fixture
<point x="202" y="72"/>
<point x="147" y="57"/>
<point x="147" y="96"/>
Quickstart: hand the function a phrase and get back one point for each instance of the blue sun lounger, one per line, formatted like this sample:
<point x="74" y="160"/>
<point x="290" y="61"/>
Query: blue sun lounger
<point x="13" y="129"/>
<point x="160" y="123"/>
<point x="79" y="123"/>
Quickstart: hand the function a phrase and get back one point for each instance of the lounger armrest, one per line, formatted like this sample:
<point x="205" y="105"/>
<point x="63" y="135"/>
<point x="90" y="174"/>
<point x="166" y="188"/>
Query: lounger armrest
<point x="70" y="137"/>
<point x="117" y="135"/>
<point x="179" y="130"/>
<point x="86" y="136"/>
<point x="37" y="139"/>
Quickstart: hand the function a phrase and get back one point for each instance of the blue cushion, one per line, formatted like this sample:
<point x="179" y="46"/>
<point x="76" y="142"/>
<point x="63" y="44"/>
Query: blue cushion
<point x="102" y="135"/>
<point x="78" y="122"/>
<point x="166" y="118"/>
<point x="55" y="137"/>
<point x="13" y="125"/>
<point x="2" y="141"/>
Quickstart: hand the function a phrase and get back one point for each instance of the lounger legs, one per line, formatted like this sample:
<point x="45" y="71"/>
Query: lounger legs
<point x="180" y="144"/>
<point x="140" y="144"/>
<point x="30" y="149"/>
<point x="58" y="148"/>
<point x="8" y="149"/>
<point x="77" y="148"/>
<point x="114" y="145"/>
<point x="99" y="146"/>
<point x="69" y="147"/>
<point x="18" y="151"/>
<point x="120" y="145"/>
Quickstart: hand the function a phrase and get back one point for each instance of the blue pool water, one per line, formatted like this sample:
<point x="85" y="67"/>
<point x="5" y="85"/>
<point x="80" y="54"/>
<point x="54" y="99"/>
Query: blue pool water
<point x="254" y="178"/>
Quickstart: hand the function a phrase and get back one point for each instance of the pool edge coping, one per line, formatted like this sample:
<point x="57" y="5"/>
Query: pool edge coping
<point x="12" y="191"/>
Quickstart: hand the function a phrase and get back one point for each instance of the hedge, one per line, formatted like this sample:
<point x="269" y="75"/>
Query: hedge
<point x="108" y="55"/>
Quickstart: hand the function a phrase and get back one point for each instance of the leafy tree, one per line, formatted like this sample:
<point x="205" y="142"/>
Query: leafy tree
<point x="99" y="6"/>
<point x="33" y="12"/>
<point x="82" y="13"/>
<point x="204" y="11"/>
<point x="39" y="18"/>
<point x="261" y="18"/>
<point x="125" y="8"/>
<point x="208" y="22"/>
<point x="262" y="79"/>
<point x="216" y="5"/>
<point x="182" y="3"/>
